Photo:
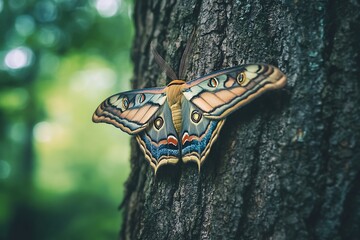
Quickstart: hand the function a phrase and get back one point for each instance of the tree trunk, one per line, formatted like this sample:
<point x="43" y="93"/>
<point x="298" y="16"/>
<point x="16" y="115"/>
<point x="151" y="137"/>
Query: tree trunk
<point x="286" y="165"/>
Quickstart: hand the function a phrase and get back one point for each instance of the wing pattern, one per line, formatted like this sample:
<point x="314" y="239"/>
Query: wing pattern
<point x="159" y="141"/>
<point x="131" y="111"/>
<point x="201" y="107"/>
<point x="198" y="134"/>
<point x="221" y="93"/>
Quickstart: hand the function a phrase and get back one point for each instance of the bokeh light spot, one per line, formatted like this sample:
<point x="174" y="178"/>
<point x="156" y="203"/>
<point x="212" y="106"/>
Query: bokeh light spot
<point x="5" y="169"/>
<point x="93" y="79"/>
<point x="43" y="132"/>
<point x="24" y="25"/>
<point x="17" y="132"/>
<point x="46" y="11"/>
<point x="17" y="4"/>
<point x="107" y="8"/>
<point x="19" y="58"/>
<point x="49" y="36"/>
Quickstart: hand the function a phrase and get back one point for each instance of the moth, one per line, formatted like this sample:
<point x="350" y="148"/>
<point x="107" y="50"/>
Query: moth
<point x="182" y="120"/>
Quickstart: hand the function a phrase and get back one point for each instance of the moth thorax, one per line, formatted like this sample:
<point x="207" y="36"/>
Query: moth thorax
<point x="176" y="116"/>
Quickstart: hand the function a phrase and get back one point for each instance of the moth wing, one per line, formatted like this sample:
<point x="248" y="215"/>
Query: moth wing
<point x="198" y="133"/>
<point x="159" y="140"/>
<point x="131" y="111"/>
<point x="220" y="93"/>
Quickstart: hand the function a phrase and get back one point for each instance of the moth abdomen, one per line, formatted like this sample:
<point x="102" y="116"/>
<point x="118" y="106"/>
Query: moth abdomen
<point x="176" y="116"/>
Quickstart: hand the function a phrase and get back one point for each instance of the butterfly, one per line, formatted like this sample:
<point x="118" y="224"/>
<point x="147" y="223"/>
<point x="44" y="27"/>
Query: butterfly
<point x="183" y="119"/>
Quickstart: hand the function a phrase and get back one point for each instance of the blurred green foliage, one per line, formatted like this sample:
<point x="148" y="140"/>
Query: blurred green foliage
<point x="61" y="176"/>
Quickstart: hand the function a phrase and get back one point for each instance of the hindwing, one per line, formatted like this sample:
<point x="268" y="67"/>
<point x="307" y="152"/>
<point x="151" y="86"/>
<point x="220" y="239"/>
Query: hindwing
<point x="159" y="141"/>
<point x="198" y="133"/>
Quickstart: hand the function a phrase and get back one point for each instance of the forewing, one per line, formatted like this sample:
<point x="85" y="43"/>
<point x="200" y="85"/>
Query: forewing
<point x="131" y="111"/>
<point x="159" y="141"/>
<point x="220" y="93"/>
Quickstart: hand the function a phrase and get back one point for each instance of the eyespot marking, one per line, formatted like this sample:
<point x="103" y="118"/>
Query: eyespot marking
<point x="241" y="79"/>
<point x="196" y="116"/>
<point x="125" y="103"/>
<point x="213" y="82"/>
<point x="158" y="123"/>
<point x="141" y="98"/>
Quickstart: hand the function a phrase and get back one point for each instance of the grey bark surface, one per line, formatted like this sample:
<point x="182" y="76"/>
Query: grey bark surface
<point x="287" y="165"/>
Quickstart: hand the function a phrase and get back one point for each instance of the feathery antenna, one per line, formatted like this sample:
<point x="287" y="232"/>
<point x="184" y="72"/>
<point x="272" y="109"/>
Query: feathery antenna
<point x="162" y="64"/>
<point x="183" y="62"/>
<point x="185" y="56"/>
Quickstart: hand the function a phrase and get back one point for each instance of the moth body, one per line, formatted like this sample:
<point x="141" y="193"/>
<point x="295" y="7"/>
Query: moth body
<point x="174" y="96"/>
<point x="176" y="116"/>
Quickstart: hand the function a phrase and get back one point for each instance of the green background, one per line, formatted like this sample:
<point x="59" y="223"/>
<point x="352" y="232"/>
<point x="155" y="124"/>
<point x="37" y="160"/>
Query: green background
<point x="62" y="176"/>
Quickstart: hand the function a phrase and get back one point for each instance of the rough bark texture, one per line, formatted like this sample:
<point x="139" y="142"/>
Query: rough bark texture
<point x="285" y="166"/>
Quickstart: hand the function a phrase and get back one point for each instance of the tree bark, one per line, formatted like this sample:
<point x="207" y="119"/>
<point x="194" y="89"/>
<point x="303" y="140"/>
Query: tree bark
<point x="286" y="165"/>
